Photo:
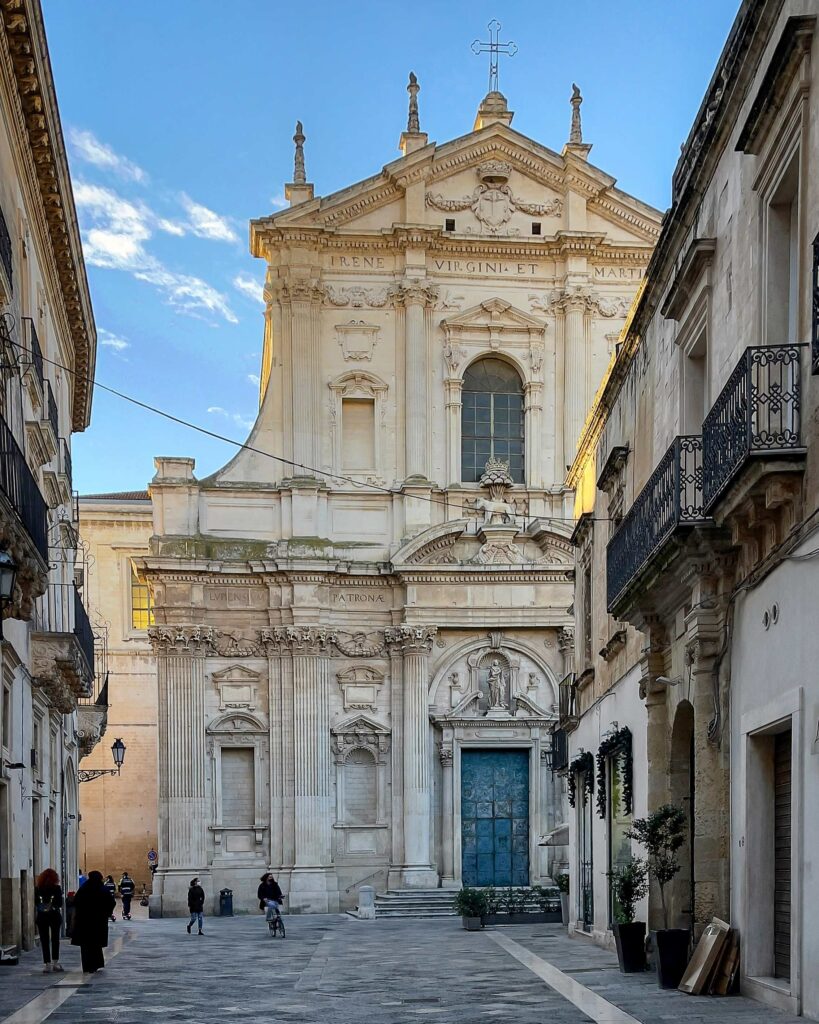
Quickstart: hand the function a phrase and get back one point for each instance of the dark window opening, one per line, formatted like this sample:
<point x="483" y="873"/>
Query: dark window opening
<point x="491" y="419"/>
<point x="535" y="227"/>
<point x="814" y="332"/>
<point x="450" y="224"/>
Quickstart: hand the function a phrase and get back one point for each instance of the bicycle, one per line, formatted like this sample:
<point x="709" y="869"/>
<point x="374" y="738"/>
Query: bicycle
<point x="275" y="924"/>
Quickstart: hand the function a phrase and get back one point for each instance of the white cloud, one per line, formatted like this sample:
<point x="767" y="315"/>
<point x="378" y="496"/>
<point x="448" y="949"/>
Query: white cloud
<point x="204" y="223"/>
<point x="254" y="379"/>
<point x="88" y="147"/>
<point x="115" y="231"/>
<point x="187" y="293"/>
<point x="249" y="286"/>
<point x="245" y="422"/>
<point x="172" y="227"/>
<point x="112" y="340"/>
<point x="278" y="202"/>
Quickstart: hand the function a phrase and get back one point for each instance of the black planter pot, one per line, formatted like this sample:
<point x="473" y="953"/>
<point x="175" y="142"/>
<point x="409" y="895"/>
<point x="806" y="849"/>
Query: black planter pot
<point x="672" y="955"/>
<point x="630" y="940"/>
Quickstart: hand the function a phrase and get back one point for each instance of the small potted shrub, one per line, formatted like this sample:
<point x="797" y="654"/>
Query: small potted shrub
<point x="471" y="905"/>
<point x="629" y="884"/>
<point x="662" y="834"/>
<point x="562" y="882"/>
<point x="514" y="903"/>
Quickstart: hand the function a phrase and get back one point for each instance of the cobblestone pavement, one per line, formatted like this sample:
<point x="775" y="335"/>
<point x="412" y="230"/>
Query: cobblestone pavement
<point x="335" y="970"/>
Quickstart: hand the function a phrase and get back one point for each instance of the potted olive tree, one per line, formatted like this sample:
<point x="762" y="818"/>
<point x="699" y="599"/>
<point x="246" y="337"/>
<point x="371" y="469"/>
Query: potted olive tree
<point x="629" y="884"/>
<point x="471" y="905"/>
<point x="562" y="882"/>
<point x="662" y="834"/>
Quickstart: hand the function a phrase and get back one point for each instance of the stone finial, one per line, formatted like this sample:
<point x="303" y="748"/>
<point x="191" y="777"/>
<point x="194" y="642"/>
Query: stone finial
<point x="413" y="121"/>
<point x="299" y="175"/>
<point x="576" y="133"/>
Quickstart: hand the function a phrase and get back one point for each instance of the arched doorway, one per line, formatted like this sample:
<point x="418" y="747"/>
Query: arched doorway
<point x="681" y="778"/>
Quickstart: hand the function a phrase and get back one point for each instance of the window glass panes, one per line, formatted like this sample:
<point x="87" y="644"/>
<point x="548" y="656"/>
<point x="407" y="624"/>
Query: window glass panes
<point x="491" y="419"/>
<point x="142" y="612"/>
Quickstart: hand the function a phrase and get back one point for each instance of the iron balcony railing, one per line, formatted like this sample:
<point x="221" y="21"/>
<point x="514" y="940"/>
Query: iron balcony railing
<point x="20" y="488"/>
<point x="758" y="412"/>
<point x="35" y="352"/>
<point x="50" y="409"/>
<point x="567" y="698"/>
<point x="83" y="631"/>
<point x="5" y="248"/>
<point x="671" y="498"/>
<point x="560" y="750"/>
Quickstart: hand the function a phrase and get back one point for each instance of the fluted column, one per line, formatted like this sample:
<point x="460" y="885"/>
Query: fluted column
<point x="416" y="295"/>
<point x="574" y="386"/>
<point x="447" y="811"/>
<point x="533" y="433"/>
<point x="311" y="735"/>
<point x="454" y="404"/>
<point x="416" y="642"/>
<point x="396" y="763"/>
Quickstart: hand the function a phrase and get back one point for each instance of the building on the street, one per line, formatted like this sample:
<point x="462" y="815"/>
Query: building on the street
<point x="119" y="813"/>
<point x="362" y="620"/>
<point x="47" y="352"/>
<point x="697" y="496"/>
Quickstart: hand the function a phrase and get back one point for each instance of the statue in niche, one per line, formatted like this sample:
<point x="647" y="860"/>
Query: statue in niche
<point x="496" y="687"/>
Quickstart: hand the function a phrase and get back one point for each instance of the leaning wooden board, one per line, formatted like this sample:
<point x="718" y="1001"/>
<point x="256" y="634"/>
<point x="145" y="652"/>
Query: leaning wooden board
<point x="726" y="967"/>
<point x="705" y="957"/>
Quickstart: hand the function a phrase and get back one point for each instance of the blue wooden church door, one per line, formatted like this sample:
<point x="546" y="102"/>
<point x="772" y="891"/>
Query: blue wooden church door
<point x="495" y="817"/>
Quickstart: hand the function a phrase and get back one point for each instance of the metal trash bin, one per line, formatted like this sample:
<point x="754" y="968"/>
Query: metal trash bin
<point x="225" y="903"/>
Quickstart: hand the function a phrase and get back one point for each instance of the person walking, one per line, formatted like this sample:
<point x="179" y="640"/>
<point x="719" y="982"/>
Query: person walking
<point x="111" y="887"/>
<point x="127" y="888"/>
<point x="48" y="906"/>
<point x="93" y="908"/>
<point x="196" y="905"/>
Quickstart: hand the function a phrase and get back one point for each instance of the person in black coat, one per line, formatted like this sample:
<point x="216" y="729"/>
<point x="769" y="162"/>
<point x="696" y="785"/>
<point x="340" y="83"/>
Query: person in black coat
<point x="268" y="890"/>
<point x="93" y="906"/>
<point x="48" y="904"/>
<point x="196" y="904"/>
<point x="111" y="886"/>
<point x="127" y="887"/>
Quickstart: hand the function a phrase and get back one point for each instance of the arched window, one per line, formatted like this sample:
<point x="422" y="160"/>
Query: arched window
<point x="491" y="419"/>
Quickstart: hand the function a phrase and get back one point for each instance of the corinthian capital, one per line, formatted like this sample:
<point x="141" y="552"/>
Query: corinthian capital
<point x="416" y="292"/>
<point x="297" y="639"/>
<point x="301" y="289"/>
<point x="411" y="638"/>
<point x="183" y="639"/>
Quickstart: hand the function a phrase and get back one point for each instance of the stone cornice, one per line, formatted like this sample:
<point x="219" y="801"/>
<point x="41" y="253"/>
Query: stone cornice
<point x="25" y="53"/>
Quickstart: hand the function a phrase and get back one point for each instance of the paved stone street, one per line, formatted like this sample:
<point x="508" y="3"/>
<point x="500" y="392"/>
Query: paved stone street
<point x="335" y="970"/>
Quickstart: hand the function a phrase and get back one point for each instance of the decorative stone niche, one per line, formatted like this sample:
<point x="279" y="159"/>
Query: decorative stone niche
<point x="238" y="688"/>
<point x="357" y="339"/>
<point x="359" y="687"/>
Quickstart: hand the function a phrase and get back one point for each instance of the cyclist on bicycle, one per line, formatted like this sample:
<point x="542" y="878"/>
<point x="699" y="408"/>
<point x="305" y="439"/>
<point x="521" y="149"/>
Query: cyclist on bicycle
<point x="269" y="893"/>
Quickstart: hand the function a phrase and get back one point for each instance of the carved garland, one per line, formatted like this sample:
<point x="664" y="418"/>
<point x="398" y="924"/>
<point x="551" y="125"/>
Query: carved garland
<point x="618" y="748"/>
<point x="583" y="765"/>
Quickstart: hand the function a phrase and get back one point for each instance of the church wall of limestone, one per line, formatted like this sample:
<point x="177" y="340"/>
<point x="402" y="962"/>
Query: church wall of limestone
<point x="357" y="618"/>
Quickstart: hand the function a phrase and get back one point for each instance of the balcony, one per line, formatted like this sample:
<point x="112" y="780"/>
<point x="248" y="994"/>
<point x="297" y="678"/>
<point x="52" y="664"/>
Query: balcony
<point x="33" y="369"/>
<point x="757" y="416"/>
<point x="57" y="477"/>
<point x="670" y="503"/>
<point x="754" y="454"/>
<point x="26" y="508"/>
<point x="62" y="647"/>
<point x="92" y="711"/>
<point x="5" y="253"/>
<point x="43" y="432"/>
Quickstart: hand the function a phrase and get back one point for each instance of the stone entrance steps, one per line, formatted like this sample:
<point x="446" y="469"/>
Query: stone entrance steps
<point x="414" y="903"/>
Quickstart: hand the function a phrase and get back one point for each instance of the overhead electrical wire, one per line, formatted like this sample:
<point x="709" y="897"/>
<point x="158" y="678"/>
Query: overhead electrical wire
<point x="359" y="485"/>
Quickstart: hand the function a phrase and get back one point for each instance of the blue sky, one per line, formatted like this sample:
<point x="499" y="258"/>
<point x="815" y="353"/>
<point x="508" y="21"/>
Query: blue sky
<point x="179" y="115"/>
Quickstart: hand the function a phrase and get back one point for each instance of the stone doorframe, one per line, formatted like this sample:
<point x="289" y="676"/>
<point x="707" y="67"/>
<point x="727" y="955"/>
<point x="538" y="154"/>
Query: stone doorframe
<point x="239" y="729"/>
<point x="455" y="735"/>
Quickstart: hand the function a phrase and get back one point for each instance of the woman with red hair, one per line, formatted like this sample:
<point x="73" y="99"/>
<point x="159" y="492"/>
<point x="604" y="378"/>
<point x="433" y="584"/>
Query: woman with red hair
<point x="48" y="908"/>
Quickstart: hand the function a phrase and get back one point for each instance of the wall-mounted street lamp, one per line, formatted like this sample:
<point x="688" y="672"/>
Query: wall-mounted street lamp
<point x="8" y="576"/>
<point x="118" y="752"/>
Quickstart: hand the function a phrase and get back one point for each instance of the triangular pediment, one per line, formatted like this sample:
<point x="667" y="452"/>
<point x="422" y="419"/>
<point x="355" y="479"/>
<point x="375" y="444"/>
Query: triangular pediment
<point x="539" y="179"/>
<point x="493" y="313"/>
<point x="359" y="723"/>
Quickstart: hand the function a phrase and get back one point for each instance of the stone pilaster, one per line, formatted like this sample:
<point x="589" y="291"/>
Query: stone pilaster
<point x="447" y="817"/>
<point x="397" y="762"/>
<point x="533" y="411"/>
<point x="416" y="644"/>
<point x="313" y="883"/>
<point x="183" y="805"/>
<point x="304" y="298"/>
<point x="574" y="370"/>
<point x="416" y="295"/>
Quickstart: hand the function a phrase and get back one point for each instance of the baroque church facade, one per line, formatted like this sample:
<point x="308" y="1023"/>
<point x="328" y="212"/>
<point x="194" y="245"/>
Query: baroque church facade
<point x="361" y="621"/>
